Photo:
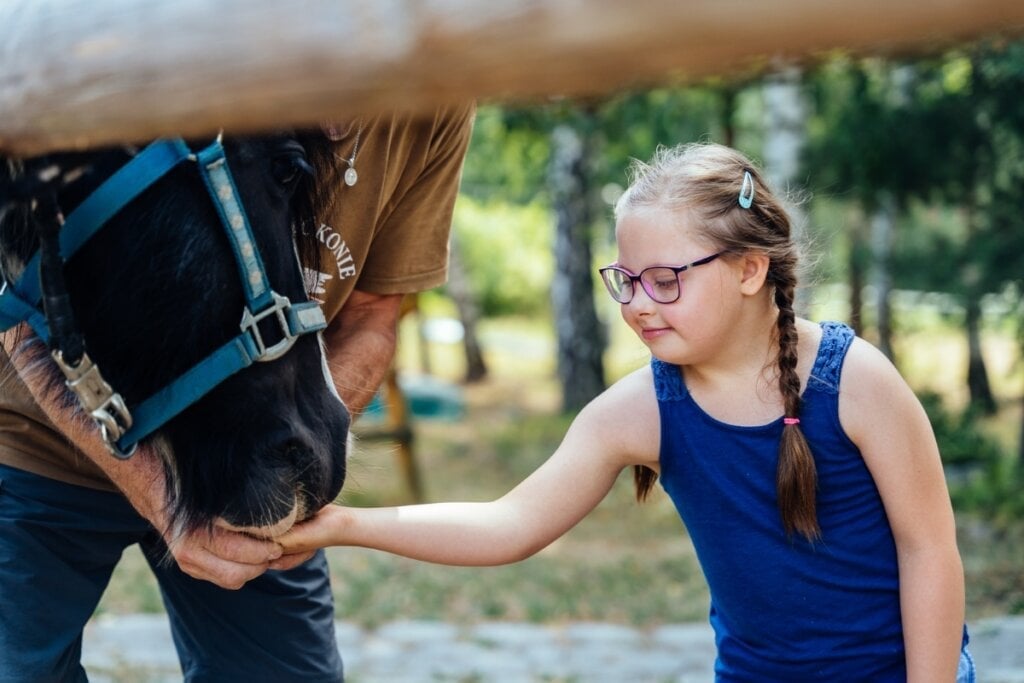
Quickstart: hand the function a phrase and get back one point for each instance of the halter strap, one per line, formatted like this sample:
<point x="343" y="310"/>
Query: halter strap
<point x="213" y="167"/>
<point x="21" y="300"/>
<point x="238" y="354"/>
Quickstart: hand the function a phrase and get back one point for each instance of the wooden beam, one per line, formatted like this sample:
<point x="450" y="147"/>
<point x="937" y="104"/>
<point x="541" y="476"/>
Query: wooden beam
<point x="80" y="73"/>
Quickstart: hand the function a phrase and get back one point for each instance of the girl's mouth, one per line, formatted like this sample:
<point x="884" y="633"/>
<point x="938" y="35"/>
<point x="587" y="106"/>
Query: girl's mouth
<point x="650" y="334"/>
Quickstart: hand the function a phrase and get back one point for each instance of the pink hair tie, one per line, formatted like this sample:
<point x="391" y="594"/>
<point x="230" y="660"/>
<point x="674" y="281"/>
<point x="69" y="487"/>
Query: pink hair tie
<point x="791" y="420"/>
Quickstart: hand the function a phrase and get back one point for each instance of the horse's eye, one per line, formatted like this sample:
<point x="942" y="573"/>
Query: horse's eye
<point x="289" y="169"/>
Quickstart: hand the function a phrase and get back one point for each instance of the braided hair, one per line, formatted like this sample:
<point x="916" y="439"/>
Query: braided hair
<point x="728" y="195"/>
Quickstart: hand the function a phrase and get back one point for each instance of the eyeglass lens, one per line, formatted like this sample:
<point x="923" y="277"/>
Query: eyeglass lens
<point x="661" y="284"/>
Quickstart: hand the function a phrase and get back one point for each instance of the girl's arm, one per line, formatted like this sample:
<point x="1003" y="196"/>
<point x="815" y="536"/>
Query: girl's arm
<point x="618" y="428"/>
<point x="886" y="421"/>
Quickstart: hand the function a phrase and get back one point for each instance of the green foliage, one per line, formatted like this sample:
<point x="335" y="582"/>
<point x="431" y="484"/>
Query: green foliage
<point x="985" y="481"/>
<point x="867" y="138"/>
<point x="997" y="495"/>
<point x="507" y="158"/>
<point x="507" y="254"/>
<point x="961" y="439"/>
<point x="634" y="124"/>
<point x="509" y="153"/>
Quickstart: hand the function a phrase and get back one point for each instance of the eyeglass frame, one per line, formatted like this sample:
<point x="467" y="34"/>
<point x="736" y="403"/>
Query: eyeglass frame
<point x="633" y="279"/>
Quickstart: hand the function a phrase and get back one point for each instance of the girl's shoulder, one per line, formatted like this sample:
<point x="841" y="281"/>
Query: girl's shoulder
<point x="866" y="369"/>
<point x="871" y="390"/>
<point x="637" y="386"/>
<point x="626" y="415"/>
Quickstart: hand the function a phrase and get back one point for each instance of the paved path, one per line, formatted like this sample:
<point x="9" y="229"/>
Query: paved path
<point x="138" y="649"/>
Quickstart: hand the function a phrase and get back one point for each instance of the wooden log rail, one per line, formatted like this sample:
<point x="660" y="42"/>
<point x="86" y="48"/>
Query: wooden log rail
<point x="80" y="73"/>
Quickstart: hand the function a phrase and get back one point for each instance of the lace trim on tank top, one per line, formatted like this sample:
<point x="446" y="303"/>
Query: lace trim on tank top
<point x="668" y="381"/>
<point x="836" y="338"/>
<point x="835" y="342"/>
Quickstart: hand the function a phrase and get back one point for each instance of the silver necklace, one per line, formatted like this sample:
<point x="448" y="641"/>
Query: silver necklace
<point x="351" y="177"/>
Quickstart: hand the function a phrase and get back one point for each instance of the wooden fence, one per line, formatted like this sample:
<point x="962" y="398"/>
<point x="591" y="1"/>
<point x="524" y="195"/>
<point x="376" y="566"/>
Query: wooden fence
<point x="79" y="73"/>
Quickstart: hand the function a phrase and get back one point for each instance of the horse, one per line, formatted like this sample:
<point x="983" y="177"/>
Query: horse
<point x="152" y="299"/>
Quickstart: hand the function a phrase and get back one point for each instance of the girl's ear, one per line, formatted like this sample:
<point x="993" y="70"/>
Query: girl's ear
<point x="755" y="271"/>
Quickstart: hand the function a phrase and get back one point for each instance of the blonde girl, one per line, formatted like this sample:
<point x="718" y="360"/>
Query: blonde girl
<point x="801" y="463"/>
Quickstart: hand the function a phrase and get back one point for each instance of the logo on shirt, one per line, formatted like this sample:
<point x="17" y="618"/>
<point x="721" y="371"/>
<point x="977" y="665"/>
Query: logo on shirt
<point x="316" y="281"/>
<point x="316" y="284"/>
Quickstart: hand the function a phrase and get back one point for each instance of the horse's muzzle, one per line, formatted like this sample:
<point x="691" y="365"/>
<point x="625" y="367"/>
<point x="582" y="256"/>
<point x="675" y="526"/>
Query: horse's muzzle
<point x="269" y="531"/>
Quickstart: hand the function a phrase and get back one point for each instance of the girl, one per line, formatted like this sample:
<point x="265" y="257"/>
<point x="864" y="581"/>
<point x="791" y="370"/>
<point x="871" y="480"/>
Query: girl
<point x="803" y="466"/>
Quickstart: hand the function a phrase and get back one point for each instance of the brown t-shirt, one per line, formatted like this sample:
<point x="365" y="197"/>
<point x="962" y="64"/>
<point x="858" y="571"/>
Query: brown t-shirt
<point x="387" y="234"/>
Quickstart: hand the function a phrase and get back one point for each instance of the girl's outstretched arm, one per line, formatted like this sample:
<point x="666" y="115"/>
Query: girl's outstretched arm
<point x="888" y="424"/>
<point x="618" y="428"/>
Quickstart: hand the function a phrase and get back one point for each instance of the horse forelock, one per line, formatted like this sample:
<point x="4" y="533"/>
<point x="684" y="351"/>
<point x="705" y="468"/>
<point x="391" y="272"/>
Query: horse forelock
<point x="14" y="221"/>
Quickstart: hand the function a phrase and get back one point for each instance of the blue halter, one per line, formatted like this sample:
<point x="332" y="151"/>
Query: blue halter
<point x="122" y="428"/>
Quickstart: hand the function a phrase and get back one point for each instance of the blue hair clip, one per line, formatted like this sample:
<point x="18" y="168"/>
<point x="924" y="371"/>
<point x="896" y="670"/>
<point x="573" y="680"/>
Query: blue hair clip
<point x="747" y="190"/>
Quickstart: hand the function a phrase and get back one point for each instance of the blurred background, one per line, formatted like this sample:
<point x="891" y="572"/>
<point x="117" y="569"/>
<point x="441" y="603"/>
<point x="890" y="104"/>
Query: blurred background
<point x="905" y="179"/>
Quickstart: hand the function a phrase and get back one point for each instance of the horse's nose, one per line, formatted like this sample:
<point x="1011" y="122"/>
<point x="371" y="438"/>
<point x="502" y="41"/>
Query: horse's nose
<point x="294" y="452"/>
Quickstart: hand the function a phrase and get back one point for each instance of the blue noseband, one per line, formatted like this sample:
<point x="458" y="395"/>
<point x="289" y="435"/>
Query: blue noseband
<point x="122" y="428"/>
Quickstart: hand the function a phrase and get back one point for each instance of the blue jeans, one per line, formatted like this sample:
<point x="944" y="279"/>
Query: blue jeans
<point x="58" y="547"/>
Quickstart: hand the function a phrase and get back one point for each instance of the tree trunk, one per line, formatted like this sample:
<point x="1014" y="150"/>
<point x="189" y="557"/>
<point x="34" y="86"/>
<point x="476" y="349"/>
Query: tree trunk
<point x="1020" y="441"/>
<point x="977" y="374"/>
<point x="978" y="385"/>
<point x="785" y="137"/>
<point x="882" y="233"/>
<point x="857" y="277"/>
<point x="469" y="314"/>
<point x="581" y="339"/>
<point x="729" y="94"/>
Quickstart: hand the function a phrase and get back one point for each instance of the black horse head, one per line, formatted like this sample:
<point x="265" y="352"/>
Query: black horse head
<point x="158" y="289"/>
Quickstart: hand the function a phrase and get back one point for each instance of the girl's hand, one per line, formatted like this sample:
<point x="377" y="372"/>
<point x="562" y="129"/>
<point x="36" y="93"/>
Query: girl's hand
<point x="299" y="544"/>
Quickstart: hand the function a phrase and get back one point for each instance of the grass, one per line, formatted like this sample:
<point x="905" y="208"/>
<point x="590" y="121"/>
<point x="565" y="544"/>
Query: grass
<point x="625" y="563"/>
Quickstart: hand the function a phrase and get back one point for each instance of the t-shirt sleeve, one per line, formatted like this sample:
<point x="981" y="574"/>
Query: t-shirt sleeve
<point x="410" y="249"/>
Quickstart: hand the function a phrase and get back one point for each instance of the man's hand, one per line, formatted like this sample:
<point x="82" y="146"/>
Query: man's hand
<point x="226" y="558"/>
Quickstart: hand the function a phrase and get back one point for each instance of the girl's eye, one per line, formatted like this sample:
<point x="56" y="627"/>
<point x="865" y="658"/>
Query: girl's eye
<point x="664" y="283"/>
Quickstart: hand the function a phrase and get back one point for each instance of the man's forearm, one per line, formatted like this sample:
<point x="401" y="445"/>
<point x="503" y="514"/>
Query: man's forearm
<point x="358" y="367"/>
<point x="361" y="345"/>
<point x="141" y="478"/>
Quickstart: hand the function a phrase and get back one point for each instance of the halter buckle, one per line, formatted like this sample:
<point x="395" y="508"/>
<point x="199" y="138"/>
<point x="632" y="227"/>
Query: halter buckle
<point x="103" y="404"/>
<point x="251" y="321"/>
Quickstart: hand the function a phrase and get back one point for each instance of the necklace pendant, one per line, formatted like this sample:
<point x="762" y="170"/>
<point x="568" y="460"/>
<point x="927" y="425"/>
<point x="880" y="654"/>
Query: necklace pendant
<point x="351" y="177"/>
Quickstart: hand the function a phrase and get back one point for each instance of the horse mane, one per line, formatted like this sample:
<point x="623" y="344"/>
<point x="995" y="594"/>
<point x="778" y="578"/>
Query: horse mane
<point x="315" y="196"/>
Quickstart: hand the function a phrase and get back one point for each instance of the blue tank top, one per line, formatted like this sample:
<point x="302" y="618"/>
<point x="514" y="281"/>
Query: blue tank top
<point x="784" y="609"/>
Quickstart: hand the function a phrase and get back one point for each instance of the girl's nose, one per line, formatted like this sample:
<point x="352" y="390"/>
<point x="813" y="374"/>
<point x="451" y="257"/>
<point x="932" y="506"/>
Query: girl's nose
<point x="641" y="301"/>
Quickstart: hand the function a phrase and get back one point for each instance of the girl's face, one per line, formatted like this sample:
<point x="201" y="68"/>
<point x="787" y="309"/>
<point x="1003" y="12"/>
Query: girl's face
<point x="696" y="325"/>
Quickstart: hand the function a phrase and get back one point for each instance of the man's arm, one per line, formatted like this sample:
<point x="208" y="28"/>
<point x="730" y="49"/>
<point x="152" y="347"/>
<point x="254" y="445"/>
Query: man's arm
<point x="223" y="557"/>
<point x="361" y="344"/>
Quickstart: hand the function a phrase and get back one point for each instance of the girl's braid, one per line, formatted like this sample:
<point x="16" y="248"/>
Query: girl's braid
<point x="796" y="480"/>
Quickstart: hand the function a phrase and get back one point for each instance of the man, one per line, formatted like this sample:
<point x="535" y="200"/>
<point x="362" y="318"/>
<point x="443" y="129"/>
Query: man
<point x="71" y="510"/>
